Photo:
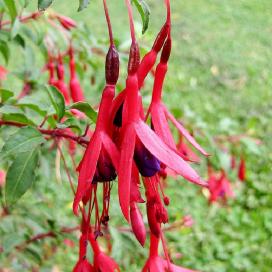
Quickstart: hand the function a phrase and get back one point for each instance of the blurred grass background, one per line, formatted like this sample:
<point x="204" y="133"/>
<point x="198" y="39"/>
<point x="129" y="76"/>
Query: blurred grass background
<point x="219" y="81"/>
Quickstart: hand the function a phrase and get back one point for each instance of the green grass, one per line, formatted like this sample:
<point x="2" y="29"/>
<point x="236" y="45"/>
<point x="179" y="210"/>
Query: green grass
<point x="219" y="82"/>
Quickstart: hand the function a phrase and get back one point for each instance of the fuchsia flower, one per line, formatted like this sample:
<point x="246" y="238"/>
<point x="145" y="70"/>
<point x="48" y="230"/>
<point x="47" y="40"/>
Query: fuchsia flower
<point x="219" y="186"/>
<point x="3" y="73"/>
<point x="75" y="88"/>
<point x="186" y="152"/>
<point x="124" y="145"/>
<point x="60" y="84"/>
<point x="135" y="132"/>
<point x="242" y="169"/>
<point x="157" y="264"/>
<point x="101" y="150"/>
<point x="2" y="178"/>
<point x="159" y="113"/>
<point x="66" y="22"/>
<point x="83" y="265"/>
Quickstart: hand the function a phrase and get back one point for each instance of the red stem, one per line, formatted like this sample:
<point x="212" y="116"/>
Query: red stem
<point x="45" y="235"/>
<point x="33" y="16"/>
<point x="131" y="23"/>
<point x="108" y="22"/>
<point x="52" y="132"/>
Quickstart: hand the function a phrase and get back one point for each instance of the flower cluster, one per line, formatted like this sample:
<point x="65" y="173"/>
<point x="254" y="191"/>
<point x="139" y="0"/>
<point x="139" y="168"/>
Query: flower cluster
<point x="131" y="144"/>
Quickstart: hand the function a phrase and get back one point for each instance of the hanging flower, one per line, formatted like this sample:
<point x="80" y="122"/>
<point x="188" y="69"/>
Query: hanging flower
<point x="3" y="73"/>
<point x="75" y="88"/>
<point x="242" y="169"/>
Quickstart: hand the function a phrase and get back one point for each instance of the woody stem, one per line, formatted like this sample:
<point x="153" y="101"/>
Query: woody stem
<point x="58" y="133"/>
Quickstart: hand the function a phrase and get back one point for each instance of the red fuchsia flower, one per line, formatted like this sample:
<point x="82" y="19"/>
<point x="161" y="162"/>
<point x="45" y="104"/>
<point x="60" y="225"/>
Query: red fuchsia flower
<point x="75" y="88"/>
<point x="3" y="73"/>
<point x="27" y="87"/>
<point x="69" y="243"/>
<point x="51" y="68"/>
<point x="188" y="221"/>
<point x="101" y="158"/>
<point x="101" y="155"/>
<point x="144" y="68"/>
<point x="159" y="113"/>
<point x="219" y="186"/>
<point x="137" y="137"/>
<point x="2" y="178"/>
<point x="101" y="262"/>
<point x="242" y="169"/>
<point x="83" y="265"/>
<point x="66" y="22"/>
<point x="232" y="162"/>
<point x="60" y="84"/>
<point x="155" y="263"/>
<point x="186" y="152"/>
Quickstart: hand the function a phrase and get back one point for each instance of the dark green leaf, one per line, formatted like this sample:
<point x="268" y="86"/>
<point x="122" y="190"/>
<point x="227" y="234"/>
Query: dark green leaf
<point x="20" y="175"/>
<point x="70" y="123"/>
<point x="4" y="49"/>
<point x="23" y="140"/>
<point x="83" y="4"/>
<point x="10" y="4"/>
<point x="10" y="241"/>
<point x="57" y="100"/>
<point x="85" y="108"/>
<point x="19" y="40"/>
<point x="144" y="11"/>
<point x="17" y="117"/>
<point x="5" y="95"/>
<point x="31" y="102"/>
<point x="44" y="4"/>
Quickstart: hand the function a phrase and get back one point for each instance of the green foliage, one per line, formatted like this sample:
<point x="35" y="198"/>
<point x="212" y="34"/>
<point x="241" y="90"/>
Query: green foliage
<point x="57" y="100"/>
<point x="83" y="4"/>
<point x="44" y="4"/>
<point x="24" y="140"/>
<point x="11" y="8"/>
<point x="20" y="175"/>
<point x="85" y="108"/>
<point x="219" y="84"/>
<point x="144" y="11"/>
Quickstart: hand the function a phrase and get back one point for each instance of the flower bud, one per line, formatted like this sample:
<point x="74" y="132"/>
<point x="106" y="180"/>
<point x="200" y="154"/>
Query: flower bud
<point x="161" y="38"/>
<point x="137" y="223"/>
<point x="134" y="58"/>
<point x="112" y="66"/>
<point x="166" y="51"/>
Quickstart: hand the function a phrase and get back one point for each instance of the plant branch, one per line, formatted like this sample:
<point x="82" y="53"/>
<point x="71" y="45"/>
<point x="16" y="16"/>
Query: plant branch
<point x="25" y="19"/>
<point x="41" y="236"/>
<point x="58" y="133"/>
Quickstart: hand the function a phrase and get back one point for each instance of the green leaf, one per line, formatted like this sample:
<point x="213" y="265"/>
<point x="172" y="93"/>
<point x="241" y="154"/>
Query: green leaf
<point x="5" y="95"/>
<point x="44" y="4"/>
<point x="70" y="123"/>
<point x="57" y="100"/>
<point x="4" y="49"/>
<point x="19" y="40"/>
<point x="144" y="11"/>
<point x="34" y="104"/>
<point x="17" y="117"/>
<point x="20" y="175"/>
<point x="10" y="241"/>
<point x="10" y="4"/>
<point x="83" y="4"/>
<point x="23" y="140"/>
<point x="15" y="28"/>
<point x="85" y="108"/>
